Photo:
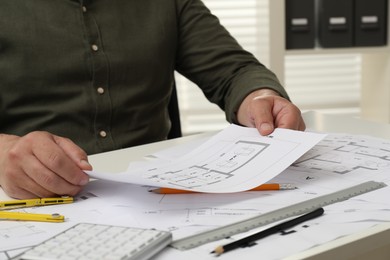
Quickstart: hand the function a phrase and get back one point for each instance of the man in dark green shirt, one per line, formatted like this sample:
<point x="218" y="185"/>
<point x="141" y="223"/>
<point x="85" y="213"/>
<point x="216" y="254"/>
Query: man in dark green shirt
<point x="79" y="77"/>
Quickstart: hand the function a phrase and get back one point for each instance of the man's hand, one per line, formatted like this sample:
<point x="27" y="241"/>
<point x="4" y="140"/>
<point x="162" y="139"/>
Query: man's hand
<point x="266" y="110"/>
<point x="40" y="164"/>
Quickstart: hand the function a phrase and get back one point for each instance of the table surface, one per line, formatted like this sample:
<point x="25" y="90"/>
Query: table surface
<point x="373" y="243"/>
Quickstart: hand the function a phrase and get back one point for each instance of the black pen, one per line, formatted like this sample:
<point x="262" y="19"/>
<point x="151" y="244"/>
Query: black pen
<point x="272" y="230"/>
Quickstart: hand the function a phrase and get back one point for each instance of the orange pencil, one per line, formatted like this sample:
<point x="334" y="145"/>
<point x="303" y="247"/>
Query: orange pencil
<point x="266" y="186"/>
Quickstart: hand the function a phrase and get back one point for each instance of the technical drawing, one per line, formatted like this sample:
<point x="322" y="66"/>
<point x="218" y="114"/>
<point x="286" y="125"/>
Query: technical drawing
<point x="339" y="154"/>
<point x="212" y="170"/>
<point x="19" y="231"/>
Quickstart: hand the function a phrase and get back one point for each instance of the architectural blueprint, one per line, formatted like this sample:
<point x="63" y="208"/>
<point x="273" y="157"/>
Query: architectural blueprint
<point x="349" y="158"/>
<point x="345" y="154"/>
<point x="336" y="162"/>
<point x="236" y="159"/>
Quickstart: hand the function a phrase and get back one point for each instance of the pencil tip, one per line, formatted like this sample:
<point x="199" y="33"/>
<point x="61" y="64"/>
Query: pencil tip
<point x="218" y="251"/>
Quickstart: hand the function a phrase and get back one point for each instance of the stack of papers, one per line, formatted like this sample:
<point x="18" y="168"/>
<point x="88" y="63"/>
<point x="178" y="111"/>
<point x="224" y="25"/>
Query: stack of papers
<point x="234" y="160"/>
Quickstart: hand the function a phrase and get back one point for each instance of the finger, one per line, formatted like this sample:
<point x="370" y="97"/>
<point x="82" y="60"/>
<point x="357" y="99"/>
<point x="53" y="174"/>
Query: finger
<point x="288" y="116"/>
<point x="19" y="193"/>
<point x="17" y="184"/>
<point x="38" y="179"/>
<point x="53" y="157"/>
<point x="31" y="189"/>
<point x="262" y="113"/>
<point x="44" y="182"/>
<point x="15" y="190"/>
<point x="78" y="155"/>
<point x="302" y="125"/>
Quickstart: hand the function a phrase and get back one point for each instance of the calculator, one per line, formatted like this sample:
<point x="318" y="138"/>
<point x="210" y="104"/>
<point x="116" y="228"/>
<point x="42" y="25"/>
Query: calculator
<point x="99" y="241"/>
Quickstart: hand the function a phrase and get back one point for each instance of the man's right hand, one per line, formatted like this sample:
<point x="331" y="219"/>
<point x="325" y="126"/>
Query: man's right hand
<point x="40" y="164"/>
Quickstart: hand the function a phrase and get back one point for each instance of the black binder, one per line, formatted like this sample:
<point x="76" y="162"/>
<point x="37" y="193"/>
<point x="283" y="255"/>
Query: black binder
<point x="336" y="23"/>
<point x="300" y="24"/>
<point x="370" y="22"/>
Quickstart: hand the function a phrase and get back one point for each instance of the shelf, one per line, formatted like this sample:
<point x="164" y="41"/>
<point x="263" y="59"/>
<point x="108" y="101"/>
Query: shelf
<point x="375" y="70"/>
<point x="350" y="50"/>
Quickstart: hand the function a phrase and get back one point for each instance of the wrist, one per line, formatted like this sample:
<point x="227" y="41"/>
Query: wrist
<point x="264" y="92"/>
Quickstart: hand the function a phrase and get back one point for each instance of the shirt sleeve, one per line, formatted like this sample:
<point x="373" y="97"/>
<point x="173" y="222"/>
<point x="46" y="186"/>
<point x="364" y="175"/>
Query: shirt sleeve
<point x="210" y="57"/>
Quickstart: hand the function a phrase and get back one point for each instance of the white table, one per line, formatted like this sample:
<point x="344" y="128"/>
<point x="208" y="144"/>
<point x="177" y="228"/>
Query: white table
<point x="372" y="244"/>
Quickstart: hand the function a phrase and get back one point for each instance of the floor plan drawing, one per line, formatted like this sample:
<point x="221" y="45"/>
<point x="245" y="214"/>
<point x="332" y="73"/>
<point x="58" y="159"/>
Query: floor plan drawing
<point x="235" y="159"/>
<point x="342" y="155"/>
<point x="214" y="169"/>
<point x="12" y="231"/>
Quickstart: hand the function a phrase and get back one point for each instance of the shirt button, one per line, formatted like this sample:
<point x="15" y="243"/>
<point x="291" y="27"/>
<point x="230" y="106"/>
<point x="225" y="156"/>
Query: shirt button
<point x="84" y="9"/>
<point x="103" y="134"/>
<point x="95" y="47"/>
<point x="100" y="90"/>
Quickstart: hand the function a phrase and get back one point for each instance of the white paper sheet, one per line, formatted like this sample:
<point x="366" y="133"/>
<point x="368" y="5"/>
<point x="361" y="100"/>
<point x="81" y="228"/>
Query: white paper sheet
<point x="236" y="159"/>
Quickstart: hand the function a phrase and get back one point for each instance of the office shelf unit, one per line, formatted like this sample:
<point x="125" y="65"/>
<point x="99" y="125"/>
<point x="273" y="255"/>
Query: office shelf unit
<point x="375" y="78"/>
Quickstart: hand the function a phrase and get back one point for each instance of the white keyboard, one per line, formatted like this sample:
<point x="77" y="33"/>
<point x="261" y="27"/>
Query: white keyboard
<point x="97" y="241"/>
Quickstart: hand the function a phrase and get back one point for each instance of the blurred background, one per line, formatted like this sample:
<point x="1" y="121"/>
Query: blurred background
<point x="328" y="82"/>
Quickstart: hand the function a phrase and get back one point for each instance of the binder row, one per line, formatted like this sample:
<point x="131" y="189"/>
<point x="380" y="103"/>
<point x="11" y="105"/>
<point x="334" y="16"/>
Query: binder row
<point x="336" y="23"/>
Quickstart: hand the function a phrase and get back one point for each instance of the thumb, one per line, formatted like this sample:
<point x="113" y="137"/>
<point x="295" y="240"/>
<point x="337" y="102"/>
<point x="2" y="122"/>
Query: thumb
<point x="262" y="115"/>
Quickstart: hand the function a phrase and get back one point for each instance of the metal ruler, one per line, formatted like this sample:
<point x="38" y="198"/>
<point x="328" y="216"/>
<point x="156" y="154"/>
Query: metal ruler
<point x="273" y="216"/>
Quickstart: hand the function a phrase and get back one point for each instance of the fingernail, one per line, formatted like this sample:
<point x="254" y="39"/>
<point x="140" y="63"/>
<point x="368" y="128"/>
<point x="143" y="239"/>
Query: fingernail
<point x="84" y="181"/>
<point x="85" y="165"/>
<point x="266" y="127"/>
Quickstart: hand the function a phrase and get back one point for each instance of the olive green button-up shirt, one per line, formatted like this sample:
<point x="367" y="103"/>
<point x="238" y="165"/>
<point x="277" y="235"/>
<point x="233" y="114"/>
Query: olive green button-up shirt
<point x="101" y="72"/>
